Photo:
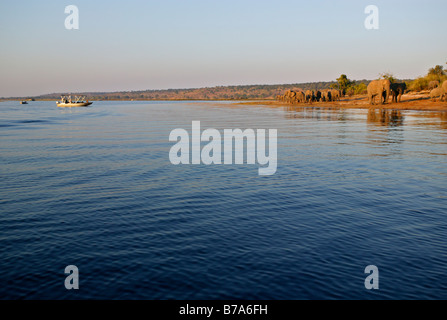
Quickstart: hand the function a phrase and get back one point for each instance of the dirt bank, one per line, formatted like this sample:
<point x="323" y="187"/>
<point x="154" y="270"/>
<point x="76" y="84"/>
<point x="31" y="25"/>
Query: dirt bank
<point x="410" y="101"/>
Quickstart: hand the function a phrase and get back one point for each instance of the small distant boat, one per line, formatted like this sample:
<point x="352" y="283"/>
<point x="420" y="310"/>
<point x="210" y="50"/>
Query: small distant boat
<point x="67" y="101"/>
<point x="23" y="102"/>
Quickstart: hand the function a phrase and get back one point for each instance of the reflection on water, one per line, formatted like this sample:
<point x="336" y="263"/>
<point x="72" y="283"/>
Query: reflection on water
<point x="432" y="118"/>
<point x="326" y="113"/>
<point x="376" y="117"/>
<point x="385" y="117"/>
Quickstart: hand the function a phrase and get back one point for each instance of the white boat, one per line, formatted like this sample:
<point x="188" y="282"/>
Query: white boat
<point x="67" y="101"/>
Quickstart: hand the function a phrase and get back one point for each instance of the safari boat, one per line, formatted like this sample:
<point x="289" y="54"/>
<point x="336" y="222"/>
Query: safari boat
<point x="67" y="101"/>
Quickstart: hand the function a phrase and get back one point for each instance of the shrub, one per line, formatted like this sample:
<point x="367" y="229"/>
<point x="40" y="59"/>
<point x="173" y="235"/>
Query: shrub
<point x="360" y="88"/>
<point x="421" y="83"/>
<point x="388" y="76"/>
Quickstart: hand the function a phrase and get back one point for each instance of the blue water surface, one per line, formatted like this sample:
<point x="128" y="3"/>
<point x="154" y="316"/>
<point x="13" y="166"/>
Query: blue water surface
<point x="94" y="187"/>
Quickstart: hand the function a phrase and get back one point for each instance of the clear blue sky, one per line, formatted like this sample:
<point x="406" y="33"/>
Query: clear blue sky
<point x="155" y="44"/>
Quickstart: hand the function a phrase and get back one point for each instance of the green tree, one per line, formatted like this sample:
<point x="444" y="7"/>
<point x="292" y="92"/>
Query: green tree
<point x="344" y="83"/>
<point x="437" y="71"/>
<point x="334" y="86"/>
<point x="388" y="76"/>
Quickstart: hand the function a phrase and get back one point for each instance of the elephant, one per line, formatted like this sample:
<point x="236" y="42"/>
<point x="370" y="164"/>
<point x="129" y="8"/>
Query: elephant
<point x="397" y="90"/>
<point x="292" y="96"/>
<point x="317" y="95"/>
<point x="438" y="92"/>
<point x="335" y="95"/>
<point x="326" y="95"/>
<point x="433" y="84"/>
<point x="378" y="88"/>
<point x="300" y="96"/>
<point x="444" y="85"/>
<point x="288" y="95"/>
<point x="309" y="96"/>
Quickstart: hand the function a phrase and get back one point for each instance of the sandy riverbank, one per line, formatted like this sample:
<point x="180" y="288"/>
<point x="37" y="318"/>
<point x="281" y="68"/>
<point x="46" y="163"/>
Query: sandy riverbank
<point x="409" y="101"/>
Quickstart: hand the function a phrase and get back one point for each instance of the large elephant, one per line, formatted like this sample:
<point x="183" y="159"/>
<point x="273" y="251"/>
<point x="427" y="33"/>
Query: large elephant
<point x="438" y="93"/>
<point x="444" y="85"/>
<point x="378" y="88"/>
<point x="397" y="90"/>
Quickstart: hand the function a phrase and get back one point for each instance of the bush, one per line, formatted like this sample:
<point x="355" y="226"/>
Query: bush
<point x="434" y="74"/>
<point x="419" y="84"/>
<point x="434" y="77"/>
<point x="360" y="88"/>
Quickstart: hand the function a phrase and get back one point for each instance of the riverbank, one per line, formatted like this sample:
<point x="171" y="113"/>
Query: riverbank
<point x="409" y="101"/>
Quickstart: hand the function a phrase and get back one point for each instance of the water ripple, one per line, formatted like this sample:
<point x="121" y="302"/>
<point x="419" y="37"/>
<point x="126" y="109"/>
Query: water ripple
<point x="95" y="188"/>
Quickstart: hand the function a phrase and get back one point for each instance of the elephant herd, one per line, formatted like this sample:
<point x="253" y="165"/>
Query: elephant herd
<point x="439" y="92"/>
<point x="381" y="89"/>
<point x="309" y="96"/>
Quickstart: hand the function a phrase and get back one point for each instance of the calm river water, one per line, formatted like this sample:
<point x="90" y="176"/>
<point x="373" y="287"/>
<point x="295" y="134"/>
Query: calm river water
<point x="94" y="187"/>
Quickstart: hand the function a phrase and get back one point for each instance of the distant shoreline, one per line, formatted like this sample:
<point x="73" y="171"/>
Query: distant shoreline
<point x="410" y="101"/>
